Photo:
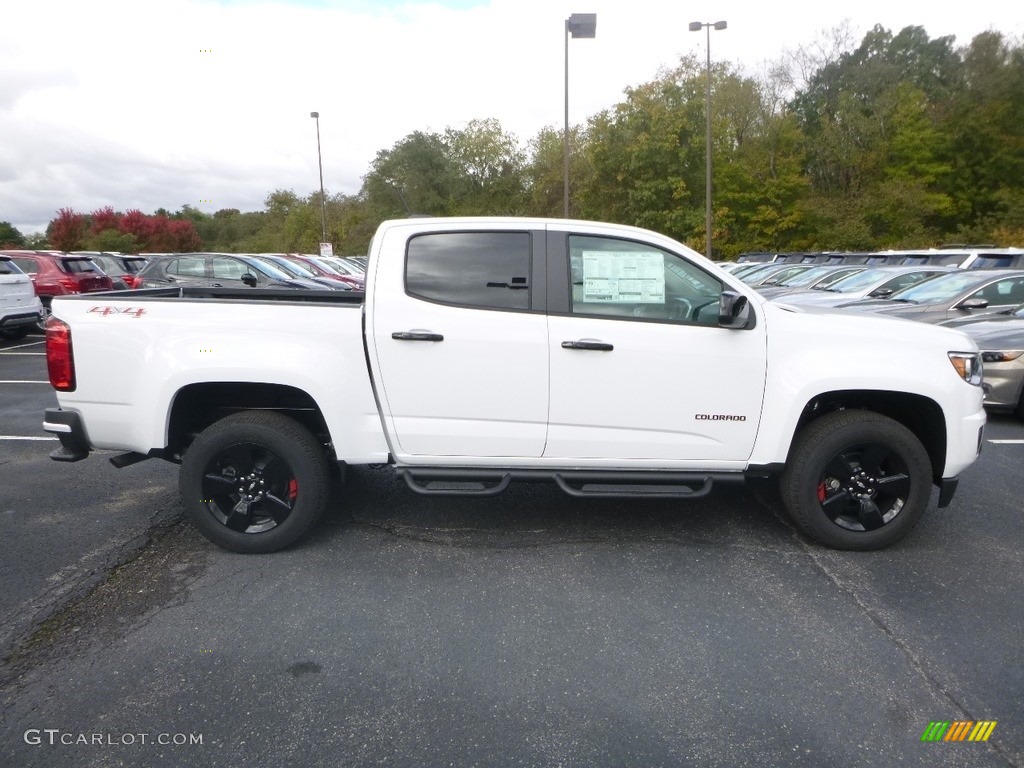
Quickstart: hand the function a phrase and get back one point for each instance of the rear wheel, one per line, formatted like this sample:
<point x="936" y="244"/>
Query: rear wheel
<point x="857" y="480"/>
<point x="254" y="481"/>
<point x="13" y="334"/>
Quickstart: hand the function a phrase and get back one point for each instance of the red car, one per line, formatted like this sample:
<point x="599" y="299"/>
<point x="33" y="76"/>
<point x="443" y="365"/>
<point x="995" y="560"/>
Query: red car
<point x="58" y="274"/>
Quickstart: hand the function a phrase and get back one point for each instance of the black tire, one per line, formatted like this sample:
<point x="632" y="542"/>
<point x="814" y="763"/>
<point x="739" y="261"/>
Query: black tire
<point x="1019" y="410"/>
<point x="856" y="480"/>
<point x="255" y="482"/>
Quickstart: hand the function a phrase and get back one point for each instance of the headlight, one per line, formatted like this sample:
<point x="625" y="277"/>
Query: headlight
<point x="968" y="365"/>
<point x="1001" y="357"/>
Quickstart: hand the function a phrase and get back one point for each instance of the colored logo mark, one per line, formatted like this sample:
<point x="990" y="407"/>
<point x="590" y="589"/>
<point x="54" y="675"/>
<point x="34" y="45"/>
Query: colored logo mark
<point x="959" y="730"/>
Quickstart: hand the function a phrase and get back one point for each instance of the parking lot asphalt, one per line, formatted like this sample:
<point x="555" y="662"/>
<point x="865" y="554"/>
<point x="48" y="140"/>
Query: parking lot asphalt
<point x="528" y="629"/>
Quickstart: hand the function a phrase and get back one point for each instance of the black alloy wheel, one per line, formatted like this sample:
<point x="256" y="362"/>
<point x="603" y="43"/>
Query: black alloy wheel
<point x="255" y="481"/>
<point x="856" y="480"/>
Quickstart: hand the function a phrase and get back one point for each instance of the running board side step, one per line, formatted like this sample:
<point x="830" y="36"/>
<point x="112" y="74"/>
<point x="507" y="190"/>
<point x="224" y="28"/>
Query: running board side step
<point x="591" y="484"/>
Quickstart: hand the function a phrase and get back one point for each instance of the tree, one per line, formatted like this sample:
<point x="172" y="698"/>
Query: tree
<point x="10" y="237"/>
<point x="67" y="231"/>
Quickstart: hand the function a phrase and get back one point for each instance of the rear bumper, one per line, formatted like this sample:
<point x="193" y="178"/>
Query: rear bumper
<point x="21" y="319"/>
<point x="68" y="427"/>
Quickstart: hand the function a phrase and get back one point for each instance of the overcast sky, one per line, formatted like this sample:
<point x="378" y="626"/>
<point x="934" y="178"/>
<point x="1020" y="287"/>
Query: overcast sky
<point x="206" y="102"/>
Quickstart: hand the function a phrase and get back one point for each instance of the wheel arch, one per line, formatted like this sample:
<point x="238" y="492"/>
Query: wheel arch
<point x="921" y="415"/>
<point x="197" y="406"/>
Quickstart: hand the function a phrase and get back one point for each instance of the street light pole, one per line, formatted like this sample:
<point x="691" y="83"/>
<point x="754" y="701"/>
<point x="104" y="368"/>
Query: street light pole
<point x="696" y="26"/>
<point x="577" y="25"/>
<point x="320" y="162"/>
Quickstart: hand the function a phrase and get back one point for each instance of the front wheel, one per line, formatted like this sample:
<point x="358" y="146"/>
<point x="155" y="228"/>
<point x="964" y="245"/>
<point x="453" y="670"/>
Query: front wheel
<point x="254" y="482"/>
<point x="856" y="480"/>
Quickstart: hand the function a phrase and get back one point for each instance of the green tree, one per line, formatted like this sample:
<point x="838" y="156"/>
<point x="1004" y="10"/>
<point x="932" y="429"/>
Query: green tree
<point x="10" y="237"/>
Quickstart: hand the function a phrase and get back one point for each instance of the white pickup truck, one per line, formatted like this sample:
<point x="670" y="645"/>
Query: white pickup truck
<point x="607" y="359"/>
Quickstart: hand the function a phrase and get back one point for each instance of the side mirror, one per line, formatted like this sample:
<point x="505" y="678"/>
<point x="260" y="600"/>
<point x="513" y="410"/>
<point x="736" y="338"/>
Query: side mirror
<point x="250" y="279"/>
<point x="972" y="304"/>
<point x="881" y="293"/>
<point x="733" y="310"/>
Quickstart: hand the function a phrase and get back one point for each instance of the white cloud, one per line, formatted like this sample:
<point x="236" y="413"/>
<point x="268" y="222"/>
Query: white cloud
<point x="142" y="105"/>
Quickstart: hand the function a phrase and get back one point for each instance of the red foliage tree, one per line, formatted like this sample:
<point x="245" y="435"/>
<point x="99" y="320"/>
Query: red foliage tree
<point x="184" y="236"/>
<point x="67" y="231"/>
<point x="105" y="218"/>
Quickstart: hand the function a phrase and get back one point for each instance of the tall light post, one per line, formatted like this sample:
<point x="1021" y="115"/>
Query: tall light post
<point x="320" y="162"/>
<point x="577" y="25"/>
<point x="696" y="26"/>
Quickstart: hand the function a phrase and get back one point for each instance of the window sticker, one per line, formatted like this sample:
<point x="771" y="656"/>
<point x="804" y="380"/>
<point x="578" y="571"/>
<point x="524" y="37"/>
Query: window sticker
<point x="617" y="277"/>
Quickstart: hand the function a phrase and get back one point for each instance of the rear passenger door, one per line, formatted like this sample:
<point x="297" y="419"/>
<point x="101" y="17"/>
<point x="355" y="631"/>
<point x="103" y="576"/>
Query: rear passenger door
<point x="459" y="343"/>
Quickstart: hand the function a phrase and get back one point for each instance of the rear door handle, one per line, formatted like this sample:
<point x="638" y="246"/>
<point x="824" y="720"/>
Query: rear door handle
<point x="417" y="336"/>
<point x="600" y="346"/>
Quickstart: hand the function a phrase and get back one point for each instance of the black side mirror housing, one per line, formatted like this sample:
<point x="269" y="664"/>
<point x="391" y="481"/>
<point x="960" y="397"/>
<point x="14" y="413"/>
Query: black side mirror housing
<point x="733" y="310"/>
<point x="250" y="279"/>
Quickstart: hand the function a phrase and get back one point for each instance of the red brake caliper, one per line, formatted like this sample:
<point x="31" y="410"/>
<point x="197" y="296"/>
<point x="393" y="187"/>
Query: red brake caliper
<point x="293" y="489"/>
<point x="821" y="492"/>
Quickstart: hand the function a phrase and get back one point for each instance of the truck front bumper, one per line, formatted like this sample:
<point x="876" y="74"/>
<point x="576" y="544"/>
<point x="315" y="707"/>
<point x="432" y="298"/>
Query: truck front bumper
<point x="68" y="427"/>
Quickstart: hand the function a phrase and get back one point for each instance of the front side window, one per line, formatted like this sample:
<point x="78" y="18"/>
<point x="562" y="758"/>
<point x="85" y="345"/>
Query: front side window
<point x="484" y="270"/>
<point x="227" y="269"/>
<point x="625" y="279"/>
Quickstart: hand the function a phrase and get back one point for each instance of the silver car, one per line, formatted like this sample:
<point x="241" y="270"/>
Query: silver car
<point x="1000" y="336"/>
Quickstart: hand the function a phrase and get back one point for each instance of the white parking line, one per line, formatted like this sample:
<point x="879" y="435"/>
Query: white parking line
<point x="5" y="352"/>
<point x="1007" y="442"/>
<point x="29" y="344"/>
<point x="23" y="437"/>
<point x="20" y="381"/>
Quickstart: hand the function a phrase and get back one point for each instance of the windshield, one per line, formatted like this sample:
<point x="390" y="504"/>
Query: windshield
<point x="860" y="281"/>
<point x="268" y="269"/>
<point x="938" y="289"/>
<point x="806" y="277"/>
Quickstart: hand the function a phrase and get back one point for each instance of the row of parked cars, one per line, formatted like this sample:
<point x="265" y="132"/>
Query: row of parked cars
<point x="30" y="279"/>
<point x="975" y="292"/>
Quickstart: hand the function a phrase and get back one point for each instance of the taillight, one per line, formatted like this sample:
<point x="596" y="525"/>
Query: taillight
<point x="69" y="284"/>
<point x="132" y="281"/>
<point x="60" y="361"/>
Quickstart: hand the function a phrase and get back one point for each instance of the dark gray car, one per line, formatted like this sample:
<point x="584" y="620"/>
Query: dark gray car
<point x="952" y="296"/>
<point x="217" y="270"/>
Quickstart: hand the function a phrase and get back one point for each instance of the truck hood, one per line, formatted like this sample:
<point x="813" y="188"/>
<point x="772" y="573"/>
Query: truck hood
<point x="866" y="329"/>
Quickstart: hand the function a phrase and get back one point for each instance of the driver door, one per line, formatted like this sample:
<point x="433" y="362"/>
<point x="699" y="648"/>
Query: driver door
<point x="640" y="368"/>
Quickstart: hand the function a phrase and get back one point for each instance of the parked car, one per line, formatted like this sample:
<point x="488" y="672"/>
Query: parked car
<point x="298" y="271"/>
<point x="1000" y="336"/>
<point x="952" y="296"/>
<point x="322" y="268"/>
<point x="217" y="270"/>
<point x="874" y="283"/>
<point x="819" y="276"/>
<point x="764" y="271"/>
<point x="59" y="274"/>
<point x="20" y="308"/>
<point x="122" y="269"/>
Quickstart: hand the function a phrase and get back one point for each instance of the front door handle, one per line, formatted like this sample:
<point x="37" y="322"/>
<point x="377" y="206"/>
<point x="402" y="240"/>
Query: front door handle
<point x="600" y="346"/>
<point x="417" y="336"/>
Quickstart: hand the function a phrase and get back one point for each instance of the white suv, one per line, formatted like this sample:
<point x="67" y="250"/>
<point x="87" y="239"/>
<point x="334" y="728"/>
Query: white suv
<point x="20" y="308"/>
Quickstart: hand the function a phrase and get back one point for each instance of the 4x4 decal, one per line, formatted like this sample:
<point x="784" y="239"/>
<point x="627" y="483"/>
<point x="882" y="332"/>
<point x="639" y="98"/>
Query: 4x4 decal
<point x="105" y="311"/>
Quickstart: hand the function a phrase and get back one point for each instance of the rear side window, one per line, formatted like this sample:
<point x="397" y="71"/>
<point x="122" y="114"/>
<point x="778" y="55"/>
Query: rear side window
<point x="28" y="266"/>
<point x="187" y="266"/>
<point x="7" y="268"/>
<point x="77" y="266"/>
<point x="484" y="270"/>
